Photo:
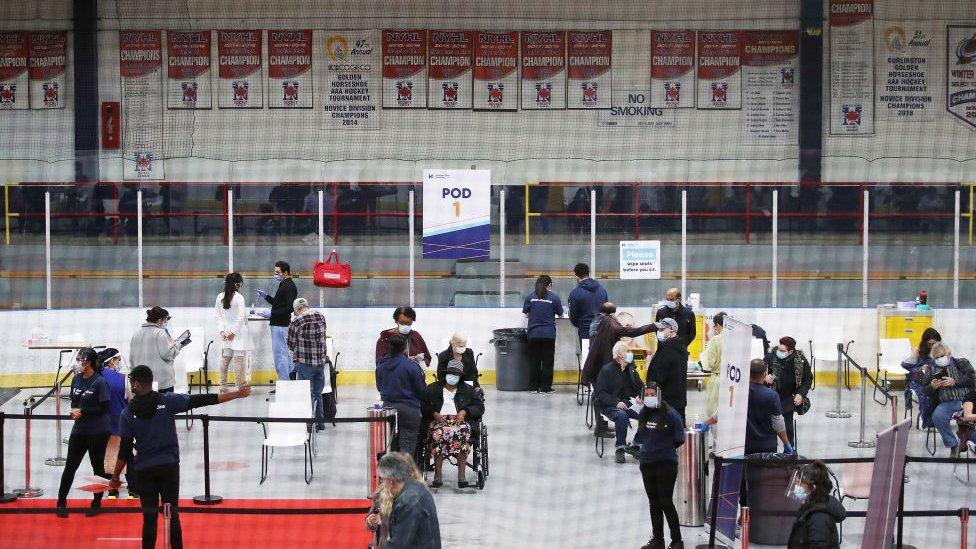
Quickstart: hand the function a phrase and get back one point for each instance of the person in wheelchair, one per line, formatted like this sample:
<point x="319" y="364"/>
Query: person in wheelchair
<point x="458" y="350"/>
<point x="451" y="408"/>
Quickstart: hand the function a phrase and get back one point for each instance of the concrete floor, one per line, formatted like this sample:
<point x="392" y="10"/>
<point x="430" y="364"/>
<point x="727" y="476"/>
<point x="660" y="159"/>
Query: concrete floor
<point x="547" y="487"/>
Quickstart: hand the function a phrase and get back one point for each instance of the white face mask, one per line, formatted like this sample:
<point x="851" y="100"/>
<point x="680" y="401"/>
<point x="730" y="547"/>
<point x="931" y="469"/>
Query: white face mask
<point x="452" y="379"/>
<point x="79" y="366"/>
<point x="942" y="361"/>
<point x="460" y="350"/>
<point x="799" y="493"/>
<point x="662" y="336"/>
<point x="652" y="402"/>
<point x="404" y="329"/>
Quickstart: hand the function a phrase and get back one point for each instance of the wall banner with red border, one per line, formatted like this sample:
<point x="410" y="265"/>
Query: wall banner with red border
<point x="496" y="71"/>
<point x="290" y="69"/>
<point x="673" y="69"/>
<point x="404" y="60"/>
<point x="239" y="62"/>
<point x="770" y="87"/>
<point x="543" y="69"/>
<point x="140" y="68"/>
<point x="589" y="55"/>
<point x="48" y="63"/>
<point x="719" y="74"/>
<point x="188" y="70"/>
<point x="449" y="58"/>
<point x="14" y="52"/>
<point x="851" y="63"/>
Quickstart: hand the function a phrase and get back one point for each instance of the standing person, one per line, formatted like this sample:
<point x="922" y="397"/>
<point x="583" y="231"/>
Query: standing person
<point x="543" y="307"/>
<point x="585" y="300"/>
<point x="280" y="317"/>
<point x="764" y="415"/>
<point x="149" y="427"/>
<point x="710" y="361"/>
<point x="820" y="512"/>
<point x="617" y="384"/>
<point x="152" y="346"/>
<point x="660" y="431"/>
<point x="791" y="377"/>
<point x="119" y="394"/>
<point x="403" y="510"/>
<point x="235" y="338"/>
<point x="949" y="381"/>
<point x="608" y="333"/>
<point x="90" y="397"/>
<point x="669" y="366"/>
<point x="416" y="346"/>
<point x="306" y="341"/>
<point x="400" y="381"/>
<point x="675" y="309"/>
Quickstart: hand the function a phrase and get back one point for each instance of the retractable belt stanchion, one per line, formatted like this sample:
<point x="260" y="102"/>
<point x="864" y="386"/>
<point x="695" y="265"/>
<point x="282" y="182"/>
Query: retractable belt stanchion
<point x="861" y="442"/>
<point x="207" y="498"/>
<point x="58" y="460"/>
<point x="379" y="442"/>
<point x="745" y="528"/>
<point x="964" y="526"/>
<point x="4" y="496"/>
<point x="27" y="491"/>
<point x="167" y="518"/>
<point x="839" y="412"/>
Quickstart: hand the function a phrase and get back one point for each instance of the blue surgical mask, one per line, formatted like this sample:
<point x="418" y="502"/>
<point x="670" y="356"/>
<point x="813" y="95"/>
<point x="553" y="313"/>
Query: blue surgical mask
<point x="276" y="278"/>
<point x="629" y="357"/>
<point x="661" y="336"/>
<point x="671" y="304"/>
<point x="404" y="329"/>
<point x="452" y="379"/>
<point x="652" y="402"/>
<point x="781" y="354"/>
<point x="799" y="493"/>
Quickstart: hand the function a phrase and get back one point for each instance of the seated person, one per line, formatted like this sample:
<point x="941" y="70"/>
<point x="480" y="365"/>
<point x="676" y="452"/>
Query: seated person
<point x="616" y="384"/>
<point x="458" y="350"/>
<point x="450" y="405"/>
<point x="951" y="379"/>
<point x="966" y="421"/>
<point x="918" y="367"/>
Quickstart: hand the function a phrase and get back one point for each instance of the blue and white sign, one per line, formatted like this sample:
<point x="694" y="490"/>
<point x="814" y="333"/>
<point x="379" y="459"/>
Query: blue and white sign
<point x="640" y="259"/>
<point x="457" y="210"/>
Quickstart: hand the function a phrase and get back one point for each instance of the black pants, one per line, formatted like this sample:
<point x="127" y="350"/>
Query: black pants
<point x="160" y="483"/>
<point x="659" y="478"/>
<point x="790" y="431"/>
<point x="541" y="353"/>
<point x="78" y="445"/>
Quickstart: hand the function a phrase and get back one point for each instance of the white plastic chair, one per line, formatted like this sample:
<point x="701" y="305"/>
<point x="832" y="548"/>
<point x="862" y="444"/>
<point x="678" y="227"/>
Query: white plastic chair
<point x="823" y="346"/>
<point x="190" y="359"/>
<point x="286" y="435"/>
<point x="756" y="349"/>
<point x="891" y="353"/>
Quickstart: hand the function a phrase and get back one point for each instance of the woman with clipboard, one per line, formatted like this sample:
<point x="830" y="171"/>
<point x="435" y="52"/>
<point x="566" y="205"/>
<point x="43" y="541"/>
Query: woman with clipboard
<point x="152" y="346"/>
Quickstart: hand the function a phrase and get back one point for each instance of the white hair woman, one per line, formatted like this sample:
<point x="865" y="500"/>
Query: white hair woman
<point x="458" y="350"/>
<point x="403" y="509"/>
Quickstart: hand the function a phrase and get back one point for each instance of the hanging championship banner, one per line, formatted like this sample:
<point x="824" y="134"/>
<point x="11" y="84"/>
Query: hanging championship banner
<point x="770" y="105"/>
<point x="719" y="77"/>
<point x="188" y="70"/>
<point x="673" y="69"/>
<point x="140" y="67"/>
<point x="457" y="207"/>
<point x="14" y="53"/>
<point x="543" y="70"/>
<point x="239" y="69"/>
<point x="48" y="60"/>
<point x="851" y="67"/>
<point x="906" y="90"/>
<point x="404" y="59"/>
<point x="353" y="80"/>
<point x="496" y="71"/>
<point x="588" y="56"/>
<point x="449" y="56"/>
<point x="290" y="68"/>
<point x="961" y="73"/>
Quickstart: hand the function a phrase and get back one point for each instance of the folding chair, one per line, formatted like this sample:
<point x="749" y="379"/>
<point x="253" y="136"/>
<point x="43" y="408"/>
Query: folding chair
<point x="823" y="348"/>
<point x="891" y="353"/>
<point x="581" y="388"/>
<point x="855" y="483"/>
<point x="284" y="435"/>
<point x="333" y="373"/>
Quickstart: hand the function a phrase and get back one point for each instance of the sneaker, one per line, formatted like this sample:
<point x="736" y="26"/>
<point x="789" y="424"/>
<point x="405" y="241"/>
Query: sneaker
<point x="677" y="544"/>
<point x="94" y="509"/>
<point x="621" y="456"/>
<point x="633" y="450"/>
<point x="463" y="483"/>
<point x="548" y="391"/>
<point x="320" y="427"/>
<point x="436" y="483"/>
<point x="654" y="543"/>
<point x="62" y="509"/>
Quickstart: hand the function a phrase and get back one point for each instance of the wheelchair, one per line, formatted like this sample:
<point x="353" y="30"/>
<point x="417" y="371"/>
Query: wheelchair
<point x="477" y="456"/>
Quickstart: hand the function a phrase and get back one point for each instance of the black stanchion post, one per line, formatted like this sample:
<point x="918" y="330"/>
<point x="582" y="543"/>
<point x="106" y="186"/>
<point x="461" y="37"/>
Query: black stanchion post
<point x="4" y="496"/>
<point x="207" y="498"/>
<point x="901" y="515"/>
<point x="713" y="505"/>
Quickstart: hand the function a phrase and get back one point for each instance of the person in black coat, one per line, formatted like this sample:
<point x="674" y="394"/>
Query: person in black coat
<point x="820" y="513"/>
<point x="669" y="366"/>
<point x="616" y="385"/>
<point x="458" y="350"/>
<point x="450" y="408"/>
<point x="683" y="316"/>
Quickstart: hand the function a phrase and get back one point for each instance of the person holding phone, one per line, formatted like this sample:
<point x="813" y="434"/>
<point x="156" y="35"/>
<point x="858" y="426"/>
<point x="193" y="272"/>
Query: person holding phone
<point x="416" y="346"/>
<point x="152" y="346"/>
<point x="950" y="380"/>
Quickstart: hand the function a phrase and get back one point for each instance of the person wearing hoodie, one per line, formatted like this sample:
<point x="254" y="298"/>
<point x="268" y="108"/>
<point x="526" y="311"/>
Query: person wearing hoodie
<point x="820" y="512"/>
<point x="585" y="300"/>
<point x="669" y="366"/>
<point x="400" y="381"/>
<point x="148" y="427"/>
<point x="675" y="309"/>
<point x="542" y="307"/>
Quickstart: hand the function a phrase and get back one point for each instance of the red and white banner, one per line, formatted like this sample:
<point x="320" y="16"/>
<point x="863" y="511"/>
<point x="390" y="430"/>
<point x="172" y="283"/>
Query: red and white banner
<point x="188" y="70"/>
<point x="449" y="58"/>
<point x="290" y="68"/>
<point x="543" y="69"/>
<point x="496" y="71"/>
<point x="589" y="55"/>
<point x="851" y="67"/>
<point x="770" y="73"/>
<point x="239" y="61"/>
<point x="673" y="69"/>
<point x="719" y="74"/>
<point x="404" y="60"/>
<point x="14" y="53"/>
<point x="48" y="62"/>
<point x="140" y="67"/>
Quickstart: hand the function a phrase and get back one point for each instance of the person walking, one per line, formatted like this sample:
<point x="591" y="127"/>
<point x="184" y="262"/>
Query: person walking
<point x="585" y="300"/>
<point x="542" y="307"/>
<point x="660" y="431"/>
<point x="119" y="394"/>
<point x="306" y="341"/>
<point x="235" y="338"/>
<point x="791" y="377"/>
<point x="280" y="317"/>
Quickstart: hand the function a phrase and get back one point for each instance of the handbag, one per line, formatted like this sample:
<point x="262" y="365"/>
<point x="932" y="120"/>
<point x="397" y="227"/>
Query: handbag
<point x="332" y="273"/>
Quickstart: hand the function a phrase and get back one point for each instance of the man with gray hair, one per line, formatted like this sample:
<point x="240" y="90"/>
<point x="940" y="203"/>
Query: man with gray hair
<point x="403" y="509"/>
<point x="616" y="385"/>
<point x="306" y="341"/>
<point x="949" y="379"/>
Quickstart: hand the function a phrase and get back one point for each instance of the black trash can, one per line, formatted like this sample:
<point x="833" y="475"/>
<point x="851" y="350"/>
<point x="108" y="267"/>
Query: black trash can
<point x="766" y="485"/>
<point x="511" y="362"/>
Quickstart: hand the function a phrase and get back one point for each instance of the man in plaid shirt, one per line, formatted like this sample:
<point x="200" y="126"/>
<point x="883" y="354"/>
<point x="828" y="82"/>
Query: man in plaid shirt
<point x="306" y="341"/>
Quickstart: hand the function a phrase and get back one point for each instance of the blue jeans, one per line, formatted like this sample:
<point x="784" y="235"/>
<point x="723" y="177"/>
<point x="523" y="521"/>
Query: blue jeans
<point x="621" y="422"/>
<point x="941" y="416"/>
<point x="279" y="349"/>
<point x="316" y="377"/>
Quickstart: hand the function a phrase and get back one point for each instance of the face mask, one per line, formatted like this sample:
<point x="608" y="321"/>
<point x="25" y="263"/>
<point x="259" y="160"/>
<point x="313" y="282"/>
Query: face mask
<point x="79" y="366"/>
<point x="452" y="379"/>
<point x="652" y="402"/>
<point x="672" y="304"/>
<point x="781" y="354"/>
<point x="942" y="361"/>
<point x="404" y="329"/>
<point x="276" y="278"/>
<point x="799" y="493"/>
<point x="661" y="336"/>
<point x="629" y="357"/>
<point x="460" y="350"/>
